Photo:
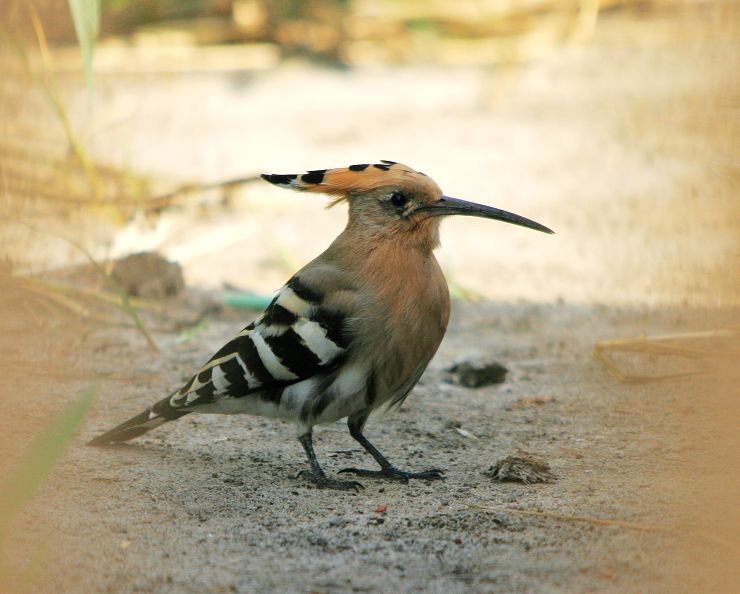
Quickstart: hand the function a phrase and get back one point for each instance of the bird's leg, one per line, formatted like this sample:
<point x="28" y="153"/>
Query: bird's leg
<point x="316" y="474"/>
<point x="387" y="470"/>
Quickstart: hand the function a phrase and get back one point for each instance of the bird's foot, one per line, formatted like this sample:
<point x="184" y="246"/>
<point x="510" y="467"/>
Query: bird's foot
<point x="324" y="482"/>
<point x="395" y="474"/>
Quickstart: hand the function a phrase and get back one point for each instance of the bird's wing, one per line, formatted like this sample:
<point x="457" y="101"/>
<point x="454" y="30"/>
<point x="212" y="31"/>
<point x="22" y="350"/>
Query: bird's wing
<point x="296" y="337"/>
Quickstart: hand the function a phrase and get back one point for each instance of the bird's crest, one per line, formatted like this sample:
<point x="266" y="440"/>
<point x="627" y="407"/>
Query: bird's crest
<point x="365" y="177"/>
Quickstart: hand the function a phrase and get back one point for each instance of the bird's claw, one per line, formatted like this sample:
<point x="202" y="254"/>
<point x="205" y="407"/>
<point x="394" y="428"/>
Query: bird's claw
<point x="324" y="482"/>
<point x="395" y="474"/>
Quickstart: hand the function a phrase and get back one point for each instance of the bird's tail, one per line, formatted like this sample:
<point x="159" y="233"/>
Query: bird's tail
<point x="154" y="416"/>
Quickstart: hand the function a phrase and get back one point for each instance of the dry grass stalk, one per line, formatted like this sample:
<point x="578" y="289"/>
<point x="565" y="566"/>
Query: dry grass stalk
<point x="702" y="346"/>
<point x="17" y="368"/>
<point x="668" y="529"/>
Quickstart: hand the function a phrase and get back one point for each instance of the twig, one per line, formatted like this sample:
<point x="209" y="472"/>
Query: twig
<point x="185" y="189"/>
<point x="662" y="345"/>
<point x="615" y="523"/>
<point x="59" y="297"/>
<point x="569" y="518"/>
<point x="125" y="300"/>
<point x="20" y="368"/>
<point x="126" y="304"/>
<point x="51" y="94"/>
<point x="104" y="296"/>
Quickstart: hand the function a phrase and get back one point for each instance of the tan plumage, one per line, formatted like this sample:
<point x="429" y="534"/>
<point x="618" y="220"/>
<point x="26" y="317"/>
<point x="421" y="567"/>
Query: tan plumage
<point x="351" y="331"/>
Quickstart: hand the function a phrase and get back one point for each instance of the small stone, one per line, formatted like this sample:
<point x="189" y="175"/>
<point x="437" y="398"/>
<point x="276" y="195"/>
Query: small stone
<point x="477" y="375"/>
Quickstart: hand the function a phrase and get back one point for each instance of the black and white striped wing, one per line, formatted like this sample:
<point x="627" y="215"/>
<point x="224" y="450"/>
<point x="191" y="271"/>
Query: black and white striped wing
<point x="293" y="340"/>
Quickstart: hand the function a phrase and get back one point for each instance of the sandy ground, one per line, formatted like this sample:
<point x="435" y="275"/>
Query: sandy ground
<point x="212" y="504"/>
<point x="624" y="146"/>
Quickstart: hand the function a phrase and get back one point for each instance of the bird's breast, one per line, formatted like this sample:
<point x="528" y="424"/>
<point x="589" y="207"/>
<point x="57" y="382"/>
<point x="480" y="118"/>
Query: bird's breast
<point x="407" y="321"/>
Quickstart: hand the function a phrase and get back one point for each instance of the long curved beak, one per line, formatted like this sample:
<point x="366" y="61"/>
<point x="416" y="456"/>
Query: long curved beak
<point x="446" y="206"/>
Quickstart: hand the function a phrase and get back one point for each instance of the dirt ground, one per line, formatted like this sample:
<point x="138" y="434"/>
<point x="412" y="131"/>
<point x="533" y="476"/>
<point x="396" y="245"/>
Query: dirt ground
<point x="212" y="503"/>
<point x="625" y="146"/>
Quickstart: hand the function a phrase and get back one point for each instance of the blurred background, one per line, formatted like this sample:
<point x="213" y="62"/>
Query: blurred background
<point x="131" y="126"/>
<point x="615" y="122"/>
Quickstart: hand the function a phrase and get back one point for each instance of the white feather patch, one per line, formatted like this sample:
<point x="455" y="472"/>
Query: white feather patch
<point x="193" y="387"/>
<point x="272" y="330"/>
<point x="176" y="400"/>
<point x="296" y="394"/>
<point x="350" y="380"/>
<point x="293" y="303"/>
<point x="249" y="329"/>
<point x="216" y="362"/>
<point x="315" y="338"/>
<point x="270" y="361"/>
<point x="191" y="396"/>
<point x="251" y="380"/>
<point x="347" y="390"/>
<point x="250" y="405"/>
<point x="219" y="380"/>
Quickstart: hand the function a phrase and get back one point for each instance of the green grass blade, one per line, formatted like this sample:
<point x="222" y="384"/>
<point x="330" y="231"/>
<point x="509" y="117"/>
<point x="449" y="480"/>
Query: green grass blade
<point x="17" y="488"/>
<point x="86" y="17"/>
<point x="45" y="84"/>
<point x="126" y="304"/>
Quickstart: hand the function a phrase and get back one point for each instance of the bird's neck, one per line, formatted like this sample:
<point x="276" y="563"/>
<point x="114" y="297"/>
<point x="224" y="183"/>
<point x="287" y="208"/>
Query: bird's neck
<point x="421" y="237"/>
<point x="399" y="267"/>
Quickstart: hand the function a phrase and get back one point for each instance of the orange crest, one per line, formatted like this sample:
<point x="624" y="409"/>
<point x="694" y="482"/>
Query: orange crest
<point x="356" y="179"/>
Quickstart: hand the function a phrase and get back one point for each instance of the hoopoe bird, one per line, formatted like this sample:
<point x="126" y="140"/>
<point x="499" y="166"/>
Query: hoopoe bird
<point x="350" y="332"/>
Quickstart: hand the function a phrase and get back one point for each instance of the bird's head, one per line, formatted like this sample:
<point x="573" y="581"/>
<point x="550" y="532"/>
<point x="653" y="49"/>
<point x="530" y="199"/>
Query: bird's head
<point x="391" y="199"/>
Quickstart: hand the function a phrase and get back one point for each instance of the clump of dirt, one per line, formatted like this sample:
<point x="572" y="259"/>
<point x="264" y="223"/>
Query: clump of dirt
<point x="477" y="375"/>
<point x="150" y="275"/>
<point x="521" y="469"/>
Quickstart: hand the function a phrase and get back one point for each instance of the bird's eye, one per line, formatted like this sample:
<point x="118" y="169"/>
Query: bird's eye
<point x="398" y="199"/>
